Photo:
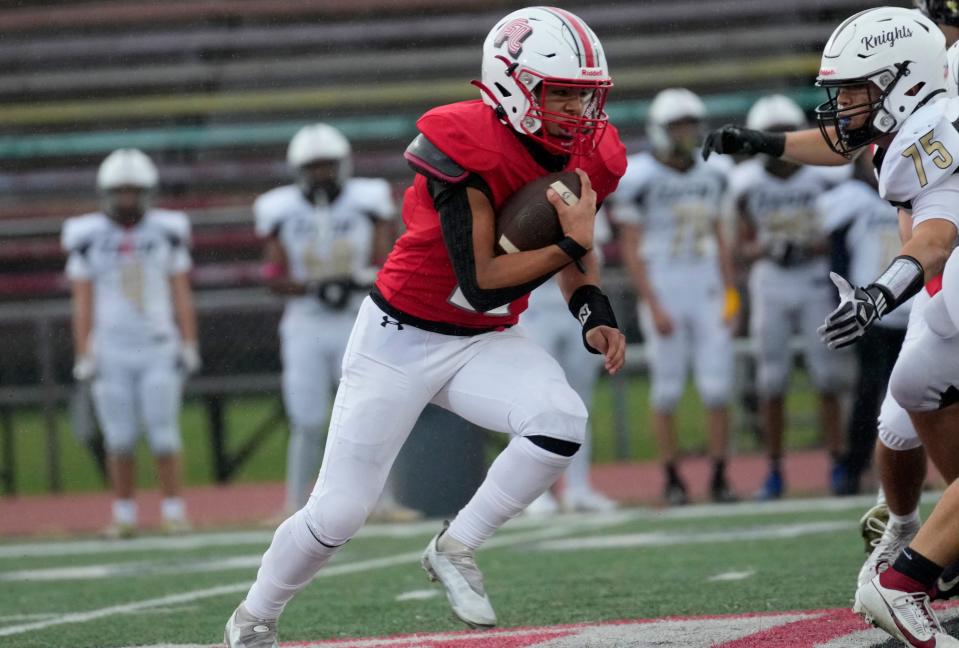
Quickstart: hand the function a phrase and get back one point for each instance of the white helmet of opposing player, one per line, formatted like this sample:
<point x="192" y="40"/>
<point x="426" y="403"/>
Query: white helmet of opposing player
<point x="894" y="58"/>
<point x="775" y="113"/>
<point x="669" y="107"/>
<point x="127" y="169"/>
<point x="318" y="143"/>
<point x="537" y="49"/>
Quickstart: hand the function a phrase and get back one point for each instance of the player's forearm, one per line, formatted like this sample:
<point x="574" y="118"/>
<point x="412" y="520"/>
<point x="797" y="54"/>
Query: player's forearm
<point x="508" y="270"/>
<point x="809" y="147"/>
<point x="183" y="308"/>
<point x="931" y="244"/>
<point x="82" y="323"/>
<point x="725" y="257"/>
<point x="571" y="278"/>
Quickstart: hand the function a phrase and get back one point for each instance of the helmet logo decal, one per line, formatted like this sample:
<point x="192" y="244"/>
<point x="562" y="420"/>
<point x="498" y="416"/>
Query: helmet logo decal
<point x="887" y="37"/>
<point x="513" y="34"/>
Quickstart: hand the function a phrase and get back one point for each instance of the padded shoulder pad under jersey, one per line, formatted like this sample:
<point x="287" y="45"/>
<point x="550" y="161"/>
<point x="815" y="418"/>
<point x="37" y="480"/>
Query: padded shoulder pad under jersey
<point x="924" y="152"/>
<point x="79" y="230"/>
<point x="424" y="157"/>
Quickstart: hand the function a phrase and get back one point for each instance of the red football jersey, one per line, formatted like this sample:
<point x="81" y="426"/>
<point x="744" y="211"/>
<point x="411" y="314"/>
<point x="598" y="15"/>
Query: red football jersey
<point x="418" y="277"/>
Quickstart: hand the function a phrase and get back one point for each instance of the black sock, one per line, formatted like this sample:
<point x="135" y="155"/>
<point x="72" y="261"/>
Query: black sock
<point x="913" y="564"/>
<point x="719" y="471"/>
<point x="672" y="475"/>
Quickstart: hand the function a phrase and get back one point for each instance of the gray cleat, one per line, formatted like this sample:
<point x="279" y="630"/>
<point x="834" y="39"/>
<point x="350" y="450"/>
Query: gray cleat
<point x="243" y="630"/>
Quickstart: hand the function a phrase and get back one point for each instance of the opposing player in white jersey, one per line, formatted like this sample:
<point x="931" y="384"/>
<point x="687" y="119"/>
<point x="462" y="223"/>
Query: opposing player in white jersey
<point x="669" y="206"/>
<point x="320" y="235"/>
<point x="886" y="73"/>
<point x="547" y="322"/>
<point x="134" y="327"/>
<point x="780" y="234"/>
<point x="900" y="458"/>
<point x="864" y="230"/>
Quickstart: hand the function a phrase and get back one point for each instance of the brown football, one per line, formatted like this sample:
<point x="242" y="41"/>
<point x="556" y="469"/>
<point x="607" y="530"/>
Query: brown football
<point x="527" y="220"/>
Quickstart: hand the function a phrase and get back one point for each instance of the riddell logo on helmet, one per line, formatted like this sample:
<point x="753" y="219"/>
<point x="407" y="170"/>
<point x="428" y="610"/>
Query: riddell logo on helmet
<point x="887" y="37"/>
<point x="826" y="72"/>
<point x="513" y="34"/>
<point x="592" y="71"/>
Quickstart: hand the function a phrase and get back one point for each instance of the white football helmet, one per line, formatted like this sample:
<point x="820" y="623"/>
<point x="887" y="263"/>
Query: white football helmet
<point x="536" y="49"/>
<point x="899" y="55"/>
<point x="123" y="169"/>
<point x="775" y="113"/>
<point x="668" y="107"/>
<point x="127" y="168"/>
<point x="319" y="143"/>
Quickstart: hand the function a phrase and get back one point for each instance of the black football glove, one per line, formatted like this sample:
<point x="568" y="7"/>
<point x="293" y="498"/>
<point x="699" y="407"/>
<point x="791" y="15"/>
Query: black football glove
<point x="736" y="140"/>
<point x="335" y="293"/>
<point x="858" y="309"/>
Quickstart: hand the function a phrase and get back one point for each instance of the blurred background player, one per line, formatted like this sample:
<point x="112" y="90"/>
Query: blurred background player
<point x="669" y="207"/>
<point x="134" y="327"/>
<point x="548" y="323"/>
<point x="321" y="235"/>
<point x="780" y="235"/>
<point x="864" y="230"/>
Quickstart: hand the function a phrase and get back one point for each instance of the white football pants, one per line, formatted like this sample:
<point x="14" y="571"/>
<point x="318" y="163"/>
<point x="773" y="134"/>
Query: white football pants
<point x="134" y="386"/>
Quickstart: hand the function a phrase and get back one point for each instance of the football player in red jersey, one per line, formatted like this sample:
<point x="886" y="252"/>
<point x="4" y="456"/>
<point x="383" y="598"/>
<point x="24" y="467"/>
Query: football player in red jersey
<point x="439" y="324"/>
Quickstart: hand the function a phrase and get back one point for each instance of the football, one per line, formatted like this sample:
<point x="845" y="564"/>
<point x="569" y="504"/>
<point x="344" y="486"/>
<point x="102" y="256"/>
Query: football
<point x="527" y="220"/>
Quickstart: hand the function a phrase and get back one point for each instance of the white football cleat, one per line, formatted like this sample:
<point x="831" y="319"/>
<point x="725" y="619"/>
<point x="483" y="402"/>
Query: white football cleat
<point x="894" y="538"/>
<point x="454" y="566"/>
<point x="904" y="615"/>
<point x="243" y="630"/>
<point x="588" y="501"/>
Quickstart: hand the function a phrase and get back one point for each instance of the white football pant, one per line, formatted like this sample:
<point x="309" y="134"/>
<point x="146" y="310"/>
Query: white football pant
<point x="134" y="386"/>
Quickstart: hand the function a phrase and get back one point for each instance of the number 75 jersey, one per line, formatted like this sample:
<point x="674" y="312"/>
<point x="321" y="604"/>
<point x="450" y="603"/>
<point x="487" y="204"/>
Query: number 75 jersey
<point x="677" y="211"/>
<point x="924" y="154"/>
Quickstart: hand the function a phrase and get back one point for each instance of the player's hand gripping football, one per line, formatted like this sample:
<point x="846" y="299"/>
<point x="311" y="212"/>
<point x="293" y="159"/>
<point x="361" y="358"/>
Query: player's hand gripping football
<point x="857" y="310"/>
<point x="611" y="343"/>
<point x="577" y="220"/>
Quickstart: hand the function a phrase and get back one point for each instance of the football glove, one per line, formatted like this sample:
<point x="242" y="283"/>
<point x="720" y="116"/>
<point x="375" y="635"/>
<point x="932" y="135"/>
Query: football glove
<point x="736" y="140"/>
<point x="335" y="293"/>
<point x="858" y="309"/>
<point x="188" y="359"/>
<point x="84" y="368"/>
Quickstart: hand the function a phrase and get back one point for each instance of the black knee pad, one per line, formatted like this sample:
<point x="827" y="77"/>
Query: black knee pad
<point x="556" y="446"/>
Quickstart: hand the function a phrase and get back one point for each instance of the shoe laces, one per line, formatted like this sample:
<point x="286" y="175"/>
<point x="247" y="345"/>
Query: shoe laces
<point x="914" y="609"/>
<point x="894" y="538"/>
<point x="876" y="526"/>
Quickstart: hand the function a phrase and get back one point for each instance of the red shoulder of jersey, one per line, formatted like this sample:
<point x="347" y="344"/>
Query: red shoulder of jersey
<point x="607" y="164"/>
<point x="467" y="131"/>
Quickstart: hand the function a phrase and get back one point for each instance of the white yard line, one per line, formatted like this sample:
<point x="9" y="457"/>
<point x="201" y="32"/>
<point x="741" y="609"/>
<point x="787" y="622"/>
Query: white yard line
<point x="665" y="538"/>
<point x="262" y="538"/>
<point x="504" y="540"/>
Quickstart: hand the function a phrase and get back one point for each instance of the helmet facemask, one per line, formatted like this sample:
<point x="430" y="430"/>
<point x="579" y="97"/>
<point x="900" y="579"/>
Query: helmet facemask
<point x="848" y="128"/>
<point x="321" y="181"/>
<point x="563" y="133"/>
<point x="127" y="204"/>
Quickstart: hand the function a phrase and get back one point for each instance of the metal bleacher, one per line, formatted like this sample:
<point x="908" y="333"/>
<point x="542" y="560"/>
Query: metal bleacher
<point x="214" y="89"/>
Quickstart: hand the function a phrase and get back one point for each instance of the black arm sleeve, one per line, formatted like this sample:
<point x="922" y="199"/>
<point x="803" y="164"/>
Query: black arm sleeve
<point x="456" y="223"/>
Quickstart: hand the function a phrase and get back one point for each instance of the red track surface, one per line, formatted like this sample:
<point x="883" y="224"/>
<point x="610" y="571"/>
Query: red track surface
<point x="245" y="504"/>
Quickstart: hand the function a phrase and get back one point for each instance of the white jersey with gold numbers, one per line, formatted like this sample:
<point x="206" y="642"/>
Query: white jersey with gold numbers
<point x="130" y="268"/>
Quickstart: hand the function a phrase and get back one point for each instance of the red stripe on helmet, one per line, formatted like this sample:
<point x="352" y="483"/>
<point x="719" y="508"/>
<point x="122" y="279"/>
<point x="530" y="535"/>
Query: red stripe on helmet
<point x="583" y="34"/>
